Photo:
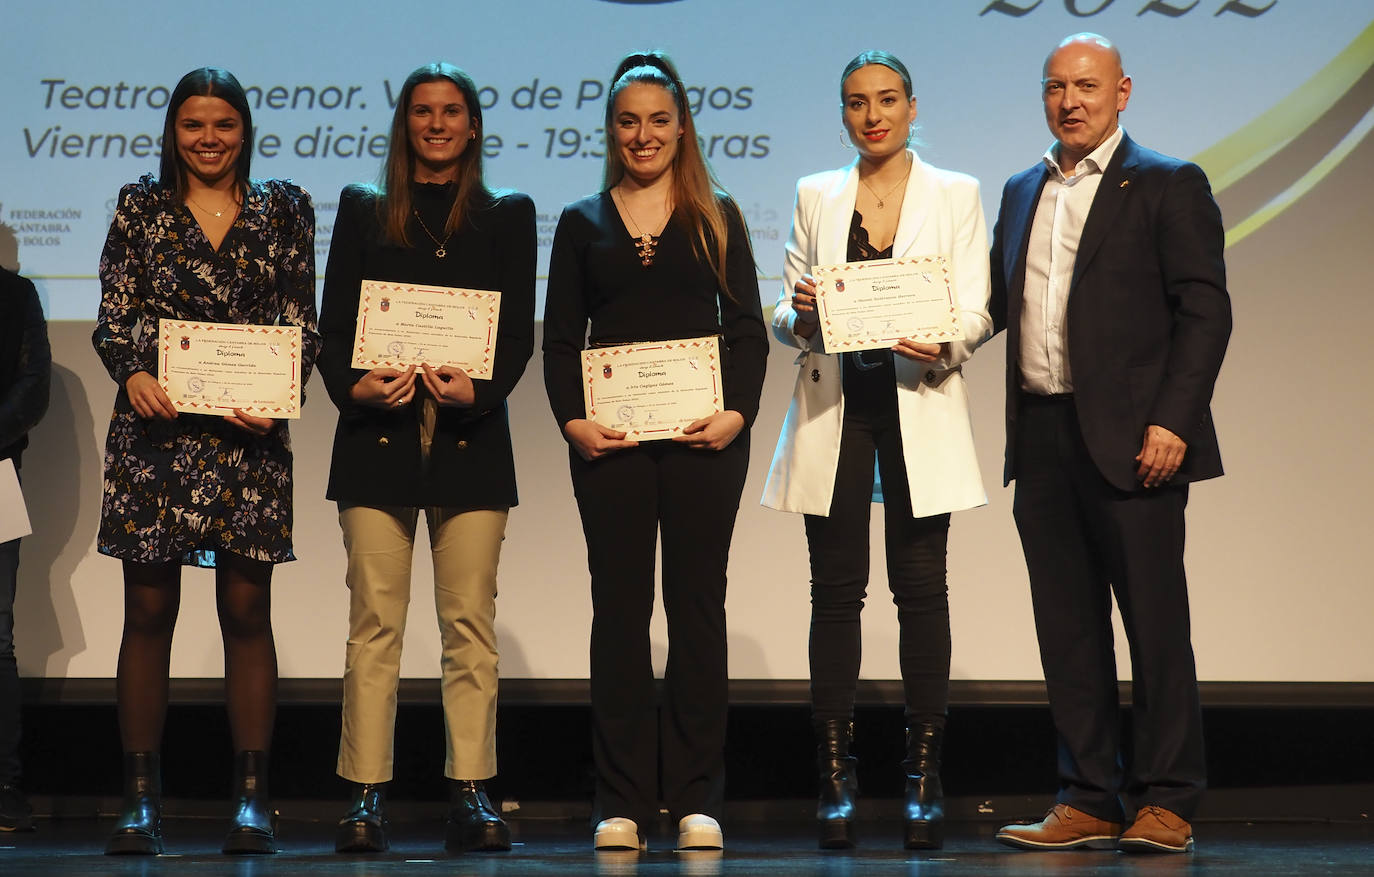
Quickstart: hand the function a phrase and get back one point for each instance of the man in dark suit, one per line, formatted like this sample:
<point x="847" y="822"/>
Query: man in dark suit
<point x="1107" y="273"/>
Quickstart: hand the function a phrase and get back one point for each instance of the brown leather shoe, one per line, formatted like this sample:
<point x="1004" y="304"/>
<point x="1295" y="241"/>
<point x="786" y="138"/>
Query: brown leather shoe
<point x="1063" y="828"/>
<point x="1157" y="830"/>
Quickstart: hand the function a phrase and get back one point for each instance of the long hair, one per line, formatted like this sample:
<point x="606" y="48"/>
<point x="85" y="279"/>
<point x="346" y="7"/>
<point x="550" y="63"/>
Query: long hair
<point x="394" y="205"/>
<point x="696" y="191"/>
<point x="203" y="82"/>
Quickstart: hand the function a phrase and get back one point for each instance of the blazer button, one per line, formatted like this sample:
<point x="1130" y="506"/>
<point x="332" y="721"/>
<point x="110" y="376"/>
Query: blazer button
<point x="462" y="444"/>
<point x="383" y="441"/>
<point x="931" y="378"/>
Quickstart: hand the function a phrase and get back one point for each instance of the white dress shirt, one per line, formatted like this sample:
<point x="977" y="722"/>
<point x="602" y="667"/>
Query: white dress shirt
<point x="1055" y="231"/>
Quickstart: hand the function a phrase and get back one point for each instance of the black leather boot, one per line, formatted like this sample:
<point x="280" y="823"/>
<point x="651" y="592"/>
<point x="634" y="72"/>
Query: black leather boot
<point x="253" y="827"/>
<point x="139" y="831"/>
<point x="363" y="828"/>
<point x="839" y="784"/>
<point x="473" y="824"/>
<point x="925" y="797"/>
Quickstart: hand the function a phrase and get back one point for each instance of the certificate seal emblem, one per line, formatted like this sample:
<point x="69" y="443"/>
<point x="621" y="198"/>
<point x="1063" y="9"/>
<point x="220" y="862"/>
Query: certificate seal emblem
<point x="606" y="371"/>
<point x="626" y="413"/>
<point x="385" y="304"/>
<point x="839" y="285"/>
<point x="185" y="342"/>
<point x="195" y="384"/>
<point x="855" y="324"/>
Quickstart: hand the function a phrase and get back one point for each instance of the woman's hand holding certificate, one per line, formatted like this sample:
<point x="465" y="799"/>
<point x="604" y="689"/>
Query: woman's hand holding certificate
<point x="655" y="390"/>
<point x="403" y="324"/>
<point x="228" y="369"/>
<point x="877" y="304"/>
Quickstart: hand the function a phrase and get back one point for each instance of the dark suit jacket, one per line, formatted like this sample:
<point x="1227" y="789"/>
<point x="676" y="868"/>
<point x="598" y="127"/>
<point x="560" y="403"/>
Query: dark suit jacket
<point x="1148" y="313"/>
<point x="376" y="458"/>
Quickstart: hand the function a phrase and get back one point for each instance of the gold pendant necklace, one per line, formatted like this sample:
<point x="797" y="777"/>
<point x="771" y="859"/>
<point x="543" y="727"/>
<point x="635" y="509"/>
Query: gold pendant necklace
<point x="215" y="213"/>
<point x="646" y="245"/>
<point x="440" y="252"/>
<point x="882" y="198"/>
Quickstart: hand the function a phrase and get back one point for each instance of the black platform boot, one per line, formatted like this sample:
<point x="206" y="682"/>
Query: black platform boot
<point x="363" y="828"/>
<point x="253" y="827"/>
<point x="473" y="824"/>
<point x="925" y="797"/>
<point x="140" y="824"/>
<point x="839" y="784"/>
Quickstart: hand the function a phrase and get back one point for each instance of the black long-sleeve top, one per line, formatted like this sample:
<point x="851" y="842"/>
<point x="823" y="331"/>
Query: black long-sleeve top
<point x="25" y="363"/>
<point x="376" y="458"/>
<point x="595" y="276"/>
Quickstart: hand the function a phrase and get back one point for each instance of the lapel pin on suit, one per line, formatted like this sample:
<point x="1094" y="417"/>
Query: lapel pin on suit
<point x="1124" y="184"/>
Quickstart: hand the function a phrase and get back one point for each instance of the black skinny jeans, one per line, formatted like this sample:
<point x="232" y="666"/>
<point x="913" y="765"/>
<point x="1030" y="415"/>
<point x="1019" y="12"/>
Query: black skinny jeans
<point x="838" y="547"/>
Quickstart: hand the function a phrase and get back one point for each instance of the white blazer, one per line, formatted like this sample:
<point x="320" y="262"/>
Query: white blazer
<point x="942" y="214"/>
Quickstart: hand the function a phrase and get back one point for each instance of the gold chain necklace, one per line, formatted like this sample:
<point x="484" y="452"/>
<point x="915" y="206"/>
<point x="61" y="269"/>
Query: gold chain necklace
<point x="440" y="252"/>
<point x="646" y="245"/>
<point x="882" y="198"/>
<point x="215" y="213"/>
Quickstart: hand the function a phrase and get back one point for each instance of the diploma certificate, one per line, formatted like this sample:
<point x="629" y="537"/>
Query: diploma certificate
<point x="402" y="324"/>
<point x="213" y="368"/>
<point x="873" y="305"/>
<point x="652" y="390"/>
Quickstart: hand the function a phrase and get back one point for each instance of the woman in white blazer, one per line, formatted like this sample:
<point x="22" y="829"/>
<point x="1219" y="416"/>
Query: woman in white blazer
<point x="907" y="408"/>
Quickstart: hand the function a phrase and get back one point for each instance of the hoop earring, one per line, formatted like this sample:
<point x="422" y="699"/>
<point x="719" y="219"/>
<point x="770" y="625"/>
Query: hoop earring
<point x="844" y="139"/>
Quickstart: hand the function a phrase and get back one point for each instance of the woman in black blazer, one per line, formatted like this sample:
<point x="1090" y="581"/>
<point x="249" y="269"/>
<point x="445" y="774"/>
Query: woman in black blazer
<point x="427" y="437"/>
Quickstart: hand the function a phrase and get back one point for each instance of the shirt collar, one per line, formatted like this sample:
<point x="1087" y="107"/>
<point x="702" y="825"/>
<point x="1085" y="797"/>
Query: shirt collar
<point x="1092" y="163"/>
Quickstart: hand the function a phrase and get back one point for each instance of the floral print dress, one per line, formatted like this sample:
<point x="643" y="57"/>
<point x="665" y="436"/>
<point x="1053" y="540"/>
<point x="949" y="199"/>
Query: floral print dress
<point x="184" y="489"/>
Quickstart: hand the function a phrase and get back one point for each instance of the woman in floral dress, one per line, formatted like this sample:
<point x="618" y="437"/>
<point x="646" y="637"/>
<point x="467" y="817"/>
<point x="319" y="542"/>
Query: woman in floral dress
<point x="201" y="242"/>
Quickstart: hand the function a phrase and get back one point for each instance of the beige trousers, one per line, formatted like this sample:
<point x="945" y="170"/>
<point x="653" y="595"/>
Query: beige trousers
<point x="466" y="547"/>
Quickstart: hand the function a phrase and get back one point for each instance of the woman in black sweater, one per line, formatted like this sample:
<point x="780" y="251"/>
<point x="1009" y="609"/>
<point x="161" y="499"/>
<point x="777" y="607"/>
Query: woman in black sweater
<point x="661" y="253"/>
<point x="427" y="437"/>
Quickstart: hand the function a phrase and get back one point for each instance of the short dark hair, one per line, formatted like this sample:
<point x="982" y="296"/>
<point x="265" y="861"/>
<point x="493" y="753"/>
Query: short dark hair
<point x="204" y="82"/>
<point x="877" y="56"/>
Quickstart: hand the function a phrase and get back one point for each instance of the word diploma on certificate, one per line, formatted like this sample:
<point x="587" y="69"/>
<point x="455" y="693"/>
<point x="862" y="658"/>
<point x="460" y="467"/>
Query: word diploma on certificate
<point x="213" y="368"/>
<point x="652" y="390"/>
<point x="873" y="305"/>
<point x="404" y="324"/>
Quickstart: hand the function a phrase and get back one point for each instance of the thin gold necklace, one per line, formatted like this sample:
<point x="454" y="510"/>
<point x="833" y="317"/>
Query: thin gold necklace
<point x="215" y="213"/>
<point x="646" y="245"/>
<point x="902" y="182"/>
<point x="441" y="252"/>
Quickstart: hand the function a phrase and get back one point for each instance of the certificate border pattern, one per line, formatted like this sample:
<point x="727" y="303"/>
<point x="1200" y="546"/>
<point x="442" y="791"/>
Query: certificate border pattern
<point x="592" y="355"/>
<point x="821" y="271"/>
<point x="369" y="287"/>
<point x="169" y="327"/>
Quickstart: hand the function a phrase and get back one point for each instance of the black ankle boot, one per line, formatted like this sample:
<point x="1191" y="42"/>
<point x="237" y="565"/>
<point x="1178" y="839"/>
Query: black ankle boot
<point x="839" y="784"/>
<point x="253" y="827"/>
<point x="925" y="797"/>
<point x="363" y="828"/>
<point x="472" y="821"/>
<point x="139" y="831"/>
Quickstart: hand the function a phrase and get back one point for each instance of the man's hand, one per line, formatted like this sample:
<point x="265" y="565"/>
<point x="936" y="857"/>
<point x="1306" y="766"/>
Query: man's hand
<point x="1160" y="456"/>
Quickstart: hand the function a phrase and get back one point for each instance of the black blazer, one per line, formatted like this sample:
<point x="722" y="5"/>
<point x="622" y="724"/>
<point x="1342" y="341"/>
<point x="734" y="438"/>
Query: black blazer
<point x="1148" y="312"/>
<point x="376" y="459"/>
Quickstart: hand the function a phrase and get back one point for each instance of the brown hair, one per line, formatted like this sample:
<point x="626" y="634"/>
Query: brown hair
<point x="696" y="191"/>
<point x="394" y="207"/>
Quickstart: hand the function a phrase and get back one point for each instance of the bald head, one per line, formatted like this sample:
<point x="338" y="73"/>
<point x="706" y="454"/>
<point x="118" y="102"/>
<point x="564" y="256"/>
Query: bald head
<point x="1084" y="90"/>
<point x="1090" y="42"/>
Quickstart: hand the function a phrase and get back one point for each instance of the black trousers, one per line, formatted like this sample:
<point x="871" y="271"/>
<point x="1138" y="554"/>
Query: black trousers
<point x="915" y="549"/>
<point x="1085" y="540"/>
<point x="626" y="501"/>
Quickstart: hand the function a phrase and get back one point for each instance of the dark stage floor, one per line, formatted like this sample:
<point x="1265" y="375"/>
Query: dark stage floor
<point x="72" y="846"/>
